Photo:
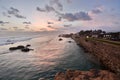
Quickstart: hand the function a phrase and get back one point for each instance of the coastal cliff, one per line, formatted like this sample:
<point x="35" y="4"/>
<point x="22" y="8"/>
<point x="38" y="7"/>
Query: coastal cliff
<point x="107" y="54"/>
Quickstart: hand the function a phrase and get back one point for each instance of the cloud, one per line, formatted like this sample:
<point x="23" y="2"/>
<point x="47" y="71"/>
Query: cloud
<point x="2" y="23"/>
<point x="15" y="28"/>
<point x="26" y="22"/>
<point x="4" y="14"/>
<point x="98" y="10"/>
<point x="60" y="19"/>
<point x="43" y="29"/>
<point x="52" y="6"/>
<point x="76" y="16"/>
<point x="3" y="29"/>
<point x="19" y="16"/>
<point x="49" y="8"/>
<point x="13" y="12"/>
<point x="69" y="1"/>
<point x="46" y="9"/>
<point x="69" y="25"/>
<point x="49" y="26"/>
<point x="21" y="29"/>
<point x="57" y="3"/>
<point x="39" y="9"/>
<point x="50" y="23"/>
<point x="116" y="22"/>
<point x="27" y="27"/>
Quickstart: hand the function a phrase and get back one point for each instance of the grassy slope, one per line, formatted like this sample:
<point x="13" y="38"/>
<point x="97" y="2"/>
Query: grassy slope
<point x="106" y="41"/>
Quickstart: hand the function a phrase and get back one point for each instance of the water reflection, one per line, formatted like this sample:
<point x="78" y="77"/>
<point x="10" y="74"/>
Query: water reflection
<point x="49" y="56"/>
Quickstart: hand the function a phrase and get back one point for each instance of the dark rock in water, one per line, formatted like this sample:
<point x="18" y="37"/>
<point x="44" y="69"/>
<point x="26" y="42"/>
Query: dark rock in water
<point x="69" y="41"/>
<point x="26" y="49"/>
<point x="28" y="45"/>
<point x="16" y="48"/>
<point x="60" y="39"/>
<point x="13" y="48"/>
<point x="20" y="47"/>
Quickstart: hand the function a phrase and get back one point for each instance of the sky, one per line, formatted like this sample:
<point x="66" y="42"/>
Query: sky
<point x="59" y="15"/>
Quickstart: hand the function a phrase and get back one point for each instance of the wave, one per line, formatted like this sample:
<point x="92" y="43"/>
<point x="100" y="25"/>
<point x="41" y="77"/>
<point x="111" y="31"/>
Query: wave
<point x="13" y="39"/>
<point x="6" y="41"/>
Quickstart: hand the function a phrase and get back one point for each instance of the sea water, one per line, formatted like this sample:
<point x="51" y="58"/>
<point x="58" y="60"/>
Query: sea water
<point x="48" y="57"/>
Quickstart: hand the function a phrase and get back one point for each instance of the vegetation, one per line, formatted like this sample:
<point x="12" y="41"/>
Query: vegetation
<point x="106" y="41"/>
<point x="90" y="32"/>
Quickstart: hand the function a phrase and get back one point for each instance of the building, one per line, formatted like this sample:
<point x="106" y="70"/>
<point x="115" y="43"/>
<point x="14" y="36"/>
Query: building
<point x="112" y="36"/>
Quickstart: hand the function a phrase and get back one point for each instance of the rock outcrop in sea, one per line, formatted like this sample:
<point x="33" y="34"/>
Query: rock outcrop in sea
<point x="22" y="48"/>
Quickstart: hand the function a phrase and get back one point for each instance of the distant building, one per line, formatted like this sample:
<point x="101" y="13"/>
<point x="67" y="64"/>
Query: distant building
<point x="100" y="34"/>
<point x="107" y="36"/>
<point x="94" y="36"/>
<point x="112" y="36"/>
<point x="97" y="34"/>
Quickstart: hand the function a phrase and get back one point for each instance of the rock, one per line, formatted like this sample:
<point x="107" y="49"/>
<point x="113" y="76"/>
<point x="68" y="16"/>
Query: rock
<point x="26" y="49"/>
<point x="60" y="39"/>
<point x="69" y="41"/>
<point x="86" y="75"/>
<point x="94" y="73"/>
<point x="28" y="45"/>
<point x="12" y="48"/>
<point x="16" y="48"/>
<point x="20" y="47"/>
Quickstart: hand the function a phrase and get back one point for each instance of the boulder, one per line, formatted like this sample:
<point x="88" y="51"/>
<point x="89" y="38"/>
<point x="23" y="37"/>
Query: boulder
<point x="20" y="47"/>
<point x="28" y="45"/>
<point x="12" y="48"/>
<point x="60" y="39"/>
<point x="16" y="48"/>
<point x="69" y="41"/>
<point x="26" y="49"/>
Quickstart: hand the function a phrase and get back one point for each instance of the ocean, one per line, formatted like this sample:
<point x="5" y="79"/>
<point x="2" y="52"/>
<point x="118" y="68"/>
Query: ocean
<point x="48" y="57"/>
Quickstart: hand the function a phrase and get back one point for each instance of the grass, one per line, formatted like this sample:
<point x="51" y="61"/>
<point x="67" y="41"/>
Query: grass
<point x="106" y="41"/>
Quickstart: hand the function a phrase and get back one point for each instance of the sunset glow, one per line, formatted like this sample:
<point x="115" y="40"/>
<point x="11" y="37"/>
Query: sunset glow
<point x="47" y="15"/>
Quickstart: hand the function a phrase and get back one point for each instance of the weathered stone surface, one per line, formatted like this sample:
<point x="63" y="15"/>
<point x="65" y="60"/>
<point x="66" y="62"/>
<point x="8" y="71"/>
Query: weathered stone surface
<point x="107" y="54"/>
<point x="86" y="75"/>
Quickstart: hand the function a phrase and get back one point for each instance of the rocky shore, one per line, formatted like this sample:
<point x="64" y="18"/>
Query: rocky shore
<point x="107" y="54"/>
<point x="86" y="75"/>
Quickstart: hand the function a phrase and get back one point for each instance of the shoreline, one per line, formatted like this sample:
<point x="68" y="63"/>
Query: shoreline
<point x="106" y="53"/>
